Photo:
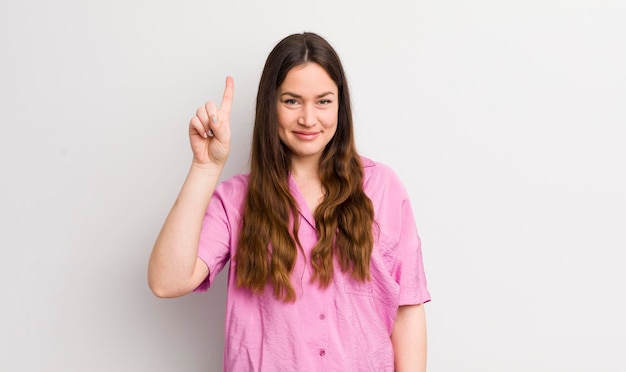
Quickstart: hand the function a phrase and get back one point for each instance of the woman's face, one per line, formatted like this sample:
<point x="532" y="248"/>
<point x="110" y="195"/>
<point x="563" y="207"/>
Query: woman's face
<point x="307" y="106"/>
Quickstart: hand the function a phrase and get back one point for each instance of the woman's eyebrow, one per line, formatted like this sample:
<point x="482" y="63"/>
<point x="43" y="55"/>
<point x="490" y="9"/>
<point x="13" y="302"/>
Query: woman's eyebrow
<point x="299" y="96"/>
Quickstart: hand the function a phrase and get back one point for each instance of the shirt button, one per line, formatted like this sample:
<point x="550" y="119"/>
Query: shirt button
<point x="322" y="352"/>
<point x="322" y="316"/>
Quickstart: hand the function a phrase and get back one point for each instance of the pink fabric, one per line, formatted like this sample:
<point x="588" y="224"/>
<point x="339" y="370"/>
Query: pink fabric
<point x="345" y="327"/>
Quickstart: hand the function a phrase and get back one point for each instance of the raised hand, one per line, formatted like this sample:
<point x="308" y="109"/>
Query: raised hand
<point x="209" y="130"/>
<point x="174" y="268"/>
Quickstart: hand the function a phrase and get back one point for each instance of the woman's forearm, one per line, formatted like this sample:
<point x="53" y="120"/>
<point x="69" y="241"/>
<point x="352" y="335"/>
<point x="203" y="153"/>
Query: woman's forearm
<point x="409" y="339"/>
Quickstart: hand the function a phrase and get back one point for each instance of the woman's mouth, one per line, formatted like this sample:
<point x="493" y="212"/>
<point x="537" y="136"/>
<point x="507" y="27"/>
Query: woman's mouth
<point x="306" y="136"/>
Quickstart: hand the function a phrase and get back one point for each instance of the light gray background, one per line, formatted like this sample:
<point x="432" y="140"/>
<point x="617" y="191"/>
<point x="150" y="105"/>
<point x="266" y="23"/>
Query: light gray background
<point x="505" y="120"/>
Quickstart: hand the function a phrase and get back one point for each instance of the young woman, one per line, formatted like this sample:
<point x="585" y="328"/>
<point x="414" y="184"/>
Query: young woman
<point x="325" y="267"/>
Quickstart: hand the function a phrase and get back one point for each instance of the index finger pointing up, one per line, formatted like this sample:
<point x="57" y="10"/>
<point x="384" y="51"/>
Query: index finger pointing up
<point x="229" y="91"/>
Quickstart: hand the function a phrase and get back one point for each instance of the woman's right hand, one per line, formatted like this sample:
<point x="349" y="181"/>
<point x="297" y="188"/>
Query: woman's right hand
<point x="209" y="130"/>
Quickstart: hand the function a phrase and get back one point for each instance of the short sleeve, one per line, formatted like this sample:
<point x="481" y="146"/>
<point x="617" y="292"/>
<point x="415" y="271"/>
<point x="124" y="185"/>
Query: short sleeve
<point x="394" y="216"/>
<point x="220" y="227"/>
<point x="408" y="270"/>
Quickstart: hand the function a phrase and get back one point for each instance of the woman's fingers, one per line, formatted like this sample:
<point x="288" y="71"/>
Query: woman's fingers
<point x="211" y="117"/>
<point x="208" y="118"/>
<point x="229" y="92"/>
<point x="210" y="121"/>
<point x="197" y="124"/>
<point x="205" y="116"/>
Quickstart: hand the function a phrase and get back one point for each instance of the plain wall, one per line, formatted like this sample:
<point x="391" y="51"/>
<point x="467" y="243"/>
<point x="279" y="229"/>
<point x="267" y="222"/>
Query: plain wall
<point x="505" y="120"/>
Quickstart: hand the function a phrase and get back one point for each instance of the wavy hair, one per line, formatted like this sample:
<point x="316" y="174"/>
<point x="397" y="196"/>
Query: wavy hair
<point x="268" y="241"/>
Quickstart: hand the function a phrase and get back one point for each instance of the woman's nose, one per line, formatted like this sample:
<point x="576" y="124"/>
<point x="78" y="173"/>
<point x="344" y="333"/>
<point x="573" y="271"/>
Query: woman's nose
<point x="307" y="116"/>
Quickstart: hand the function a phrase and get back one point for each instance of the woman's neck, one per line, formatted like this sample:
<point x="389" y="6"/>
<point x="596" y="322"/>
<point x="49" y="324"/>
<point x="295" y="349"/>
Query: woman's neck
<point x="306" y="176"/>
<point x="305" y="168"/>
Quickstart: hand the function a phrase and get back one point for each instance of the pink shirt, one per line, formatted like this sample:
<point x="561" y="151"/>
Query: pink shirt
<point x="345" y="327"/>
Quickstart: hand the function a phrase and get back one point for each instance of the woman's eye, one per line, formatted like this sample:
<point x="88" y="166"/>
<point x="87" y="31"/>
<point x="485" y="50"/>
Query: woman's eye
<point x="291" y="101"/>
<point x="325" y="102"/>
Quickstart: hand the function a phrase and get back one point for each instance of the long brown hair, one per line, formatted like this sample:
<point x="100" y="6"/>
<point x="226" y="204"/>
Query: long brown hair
<point x="268" y="242"/>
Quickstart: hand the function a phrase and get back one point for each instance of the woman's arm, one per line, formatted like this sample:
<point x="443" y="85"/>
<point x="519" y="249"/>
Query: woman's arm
<point x="409" y="339"/>
<point x="174" y="268"/>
